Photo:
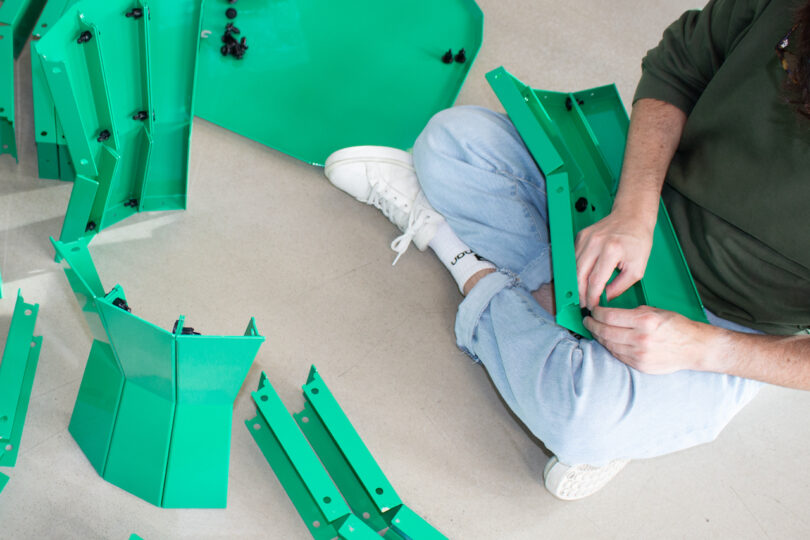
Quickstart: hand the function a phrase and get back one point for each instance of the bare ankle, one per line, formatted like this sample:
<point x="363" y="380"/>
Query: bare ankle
<point x="545" y="297"/>
<point x="478" y="276"/>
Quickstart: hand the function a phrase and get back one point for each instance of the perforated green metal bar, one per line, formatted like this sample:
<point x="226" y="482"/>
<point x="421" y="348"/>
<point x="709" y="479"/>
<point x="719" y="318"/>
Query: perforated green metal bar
<point x="577" y="140"/>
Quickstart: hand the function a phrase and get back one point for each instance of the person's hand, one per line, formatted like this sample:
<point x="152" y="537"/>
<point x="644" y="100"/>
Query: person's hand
<point x="616" y="241"/>
<point x="651" y="340"/>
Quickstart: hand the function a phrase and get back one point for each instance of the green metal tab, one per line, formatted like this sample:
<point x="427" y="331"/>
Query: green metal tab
<point x="125" y="106"/>
<point x="367" y="498"/>
<point x="577" y="140"/>
<point x="310" y="83"/>
<point x="412" y="527"/>
<point x="17" y="17"/>
<point x="3" y="481"/>
<point x="154" y="409"/>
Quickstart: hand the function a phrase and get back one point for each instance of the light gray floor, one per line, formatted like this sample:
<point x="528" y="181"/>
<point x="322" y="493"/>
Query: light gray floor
<point x="268" y="236"/>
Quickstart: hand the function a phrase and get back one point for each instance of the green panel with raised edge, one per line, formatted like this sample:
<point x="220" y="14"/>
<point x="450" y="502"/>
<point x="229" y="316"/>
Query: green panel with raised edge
<point x="210" y="371"/>
<point x="577" y="140"/>
<point x="411" y="526"/>
<point x="17" y="370"/>
<point x="311" y="83"/>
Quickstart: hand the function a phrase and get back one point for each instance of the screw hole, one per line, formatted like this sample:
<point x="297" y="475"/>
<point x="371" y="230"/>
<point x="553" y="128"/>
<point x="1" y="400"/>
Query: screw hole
<point x="265" y="398"/>
<point x="379" y="491"/>
<point x="28" y="312"/>
<point x="366" y="515"/>
<point x="569" y="294"/>
<point x="305" y="419"/>
<point x="44" y="25"/>
<point x="257" y="426"/>
<point x="33" y="344"/>
<point x="315" y="390"/>
<point x="9" y="447"/>
<point x="327" y="500"/>
<point x="44" y="133"/>
<point x="316" y="524"/>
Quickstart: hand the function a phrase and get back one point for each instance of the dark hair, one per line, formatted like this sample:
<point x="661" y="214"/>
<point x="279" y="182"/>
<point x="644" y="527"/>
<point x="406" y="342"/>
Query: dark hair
<point x="799" y="85"/>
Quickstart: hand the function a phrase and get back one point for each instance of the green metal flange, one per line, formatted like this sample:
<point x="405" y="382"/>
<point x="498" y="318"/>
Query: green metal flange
<point x="53" y="157"/>
<point x="154" y="410"/>
<point x="17" y="17"/>
<point x="125" y="106"/>
<point x="310" y="83"/>
<point x="324" y="454"/>
<point x="3" y="481"/>
<point x="17" y="370"/>
<point x="577" y="140"/>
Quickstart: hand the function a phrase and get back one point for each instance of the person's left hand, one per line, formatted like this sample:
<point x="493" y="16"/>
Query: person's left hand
<point x="650" y="340"/>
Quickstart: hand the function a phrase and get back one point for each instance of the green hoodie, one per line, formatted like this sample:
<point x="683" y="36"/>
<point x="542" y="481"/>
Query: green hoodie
<point x="738" y="188"/>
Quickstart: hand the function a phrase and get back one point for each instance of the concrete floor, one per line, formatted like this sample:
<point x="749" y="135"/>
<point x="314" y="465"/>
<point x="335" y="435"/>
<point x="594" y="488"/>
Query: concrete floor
<point x="267" y="236"/>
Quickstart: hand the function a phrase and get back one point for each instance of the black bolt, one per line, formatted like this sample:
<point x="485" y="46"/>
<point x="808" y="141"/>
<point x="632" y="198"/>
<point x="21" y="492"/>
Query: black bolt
<point x="231" y="28"/>
<point x="568" y="103"/>
<point x="84" y="37"/>
<point x="231" y="1"/>
<point x="224" y="50"/>
<point x="585" y="312"/>
<point x="461" y="57"/>
<point x="121" y="303"/>
<point x="140" y="115"/>
<point x="131" y="203"/>
<point x="104" y="135"/>
<point x="581" y="205"/>
<point x="186" y="331"/>
<point x="91" y="226"/>
<point x="135" y="13"/>
<point x="448" y="56"/>
<point x="230" y="13"/>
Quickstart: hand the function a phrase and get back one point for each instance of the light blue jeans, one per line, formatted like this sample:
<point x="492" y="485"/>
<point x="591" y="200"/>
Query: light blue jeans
<point x="584" y="404"/>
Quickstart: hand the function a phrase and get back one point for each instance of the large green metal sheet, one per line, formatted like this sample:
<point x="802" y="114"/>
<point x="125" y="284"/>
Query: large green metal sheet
<point x="121" y="75"/>
<point x="154" y="409"/>
<point x="577" y="140"/>
<point x="319" y="76"/>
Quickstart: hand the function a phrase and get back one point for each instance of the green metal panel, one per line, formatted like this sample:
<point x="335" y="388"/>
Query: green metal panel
<point x="154" y="409"/>
<point x="329" y="444"/>
<point x="17" y="17"/>
<point x="577" y="140"/>
<point x="123" y="96"/>
<point x="17" y="370"/>
<point x="3" y="481"/>
<point x="411" y="526"/>
<point x="312" y="83"/>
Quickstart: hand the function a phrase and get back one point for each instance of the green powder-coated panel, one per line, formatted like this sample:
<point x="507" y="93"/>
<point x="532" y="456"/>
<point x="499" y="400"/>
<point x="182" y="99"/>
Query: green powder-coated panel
<point x="210" y="371"/>
<point x="354" y="527"/>
<point x="577" y="140"/>
<point x="412" y="527"/>
<point x="17" y="370"/>
<point x="3" y="481"/>
<point x="319" y="76"/>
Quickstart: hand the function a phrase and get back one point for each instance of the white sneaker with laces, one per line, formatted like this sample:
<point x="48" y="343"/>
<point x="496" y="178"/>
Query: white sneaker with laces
<point x="572" y="482"/>
<point x="384" y="178"/>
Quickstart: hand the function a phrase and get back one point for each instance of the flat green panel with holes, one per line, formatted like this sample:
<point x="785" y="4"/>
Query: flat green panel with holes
<point x="310" y="83"/>
<point x="577" y="140"/>
<point x="17" y="370"/>
<point x="154" y="409"/>
<point x="124" y="105"/>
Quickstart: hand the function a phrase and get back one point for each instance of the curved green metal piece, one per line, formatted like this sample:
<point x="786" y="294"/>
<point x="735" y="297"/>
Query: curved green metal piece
<point x="155" y="406"/>
<point x="320" y="76"/>
<point x="577" y="140"/>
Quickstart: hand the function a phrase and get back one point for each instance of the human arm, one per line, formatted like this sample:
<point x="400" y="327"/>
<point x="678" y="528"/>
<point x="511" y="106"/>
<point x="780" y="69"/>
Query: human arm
<point x="655" y="341"/>
<point x="623" y="239"/>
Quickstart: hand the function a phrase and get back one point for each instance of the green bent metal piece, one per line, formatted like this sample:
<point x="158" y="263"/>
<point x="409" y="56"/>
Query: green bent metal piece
<point x="577" y="140"/>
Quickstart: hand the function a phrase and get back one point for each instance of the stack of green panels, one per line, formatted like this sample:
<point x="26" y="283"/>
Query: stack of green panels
<point x="577" y="140"/>
<point x="121" y="74"/>
<point x="154" y="409"/>
<point x="17" y="17"/>
<point x="326" y="469"/>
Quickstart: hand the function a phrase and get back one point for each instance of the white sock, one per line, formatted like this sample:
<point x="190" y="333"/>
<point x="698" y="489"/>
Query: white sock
<point x="457" y="256"/>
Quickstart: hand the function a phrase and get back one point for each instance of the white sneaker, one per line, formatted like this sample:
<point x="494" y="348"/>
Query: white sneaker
<point x="384" y="177"/>
<point x="572" y="482"/>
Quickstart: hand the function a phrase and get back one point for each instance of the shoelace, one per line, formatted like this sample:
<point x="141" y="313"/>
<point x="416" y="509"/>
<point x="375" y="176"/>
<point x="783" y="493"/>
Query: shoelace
<point x="416" y="221"/>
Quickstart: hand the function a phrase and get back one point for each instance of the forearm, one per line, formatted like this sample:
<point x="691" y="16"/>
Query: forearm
<point x="652" y="139"/>
<point x="781" y="360"/>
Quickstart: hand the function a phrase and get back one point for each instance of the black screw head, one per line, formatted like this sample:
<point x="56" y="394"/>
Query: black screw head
<point x="84" y="37"/>
<point x="104" y="135"/>
<point x="230" y="13"/>
<point x="91" y="226"/>
<point x="140" y="115"/>
<point x="448" y="57"/>
<point x="581" y="205"/>
<point x="135" y="13"/>
<point x="122" y="304"/>
<point x="461" y="57"/>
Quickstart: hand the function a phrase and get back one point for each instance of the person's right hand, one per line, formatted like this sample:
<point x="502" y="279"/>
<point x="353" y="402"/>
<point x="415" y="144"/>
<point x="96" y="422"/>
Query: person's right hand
<point x="617" y="241"/>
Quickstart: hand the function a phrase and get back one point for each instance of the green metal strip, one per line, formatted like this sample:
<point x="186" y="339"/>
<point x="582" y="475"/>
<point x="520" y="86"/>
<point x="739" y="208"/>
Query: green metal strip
<point x="17" y="371"/>
<point x="351" y="445"/>
<point x="577" y="140"/>
<point x="3" y="481"/>
<point x="354" y="527"/>
<point x="412" y="527"/>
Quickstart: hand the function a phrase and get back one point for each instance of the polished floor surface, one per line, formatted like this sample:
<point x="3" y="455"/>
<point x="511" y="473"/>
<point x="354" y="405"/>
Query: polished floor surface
<point x="267" y="236"/>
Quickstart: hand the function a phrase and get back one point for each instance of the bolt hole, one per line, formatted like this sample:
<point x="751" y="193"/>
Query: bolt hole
<point x="560" y="189"/>
<point x="379" y="491"/>
<point x="327" y="500"/>
<point x="44" y="133"/>
<point x="569" y="294"/>
<point x="9" y="447"/>
<point x="33" y="344"/>
<point x="44" y="25"/>
<point x="316" y="524"/>
<point x="28" y="312"/>
<point x="315" y="390"/>
<point x="265" y="398"/>
<point x="366" y="515"/>
<point x="257" y="426"/>
<point x="305" y="419"/>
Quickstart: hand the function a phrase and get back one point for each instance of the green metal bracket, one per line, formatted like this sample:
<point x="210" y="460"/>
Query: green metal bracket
<point x="124" y="105"/>
<point x="3" y="481"/>
<point x="154" y="410"/>
<point x="577" y="140"/>
<point x="17" y="17"/>
<point x="310" y="83"/>
<point x="17" y="370"/>
<point x="328" y="473"/>
<point x="53" y="156"/>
